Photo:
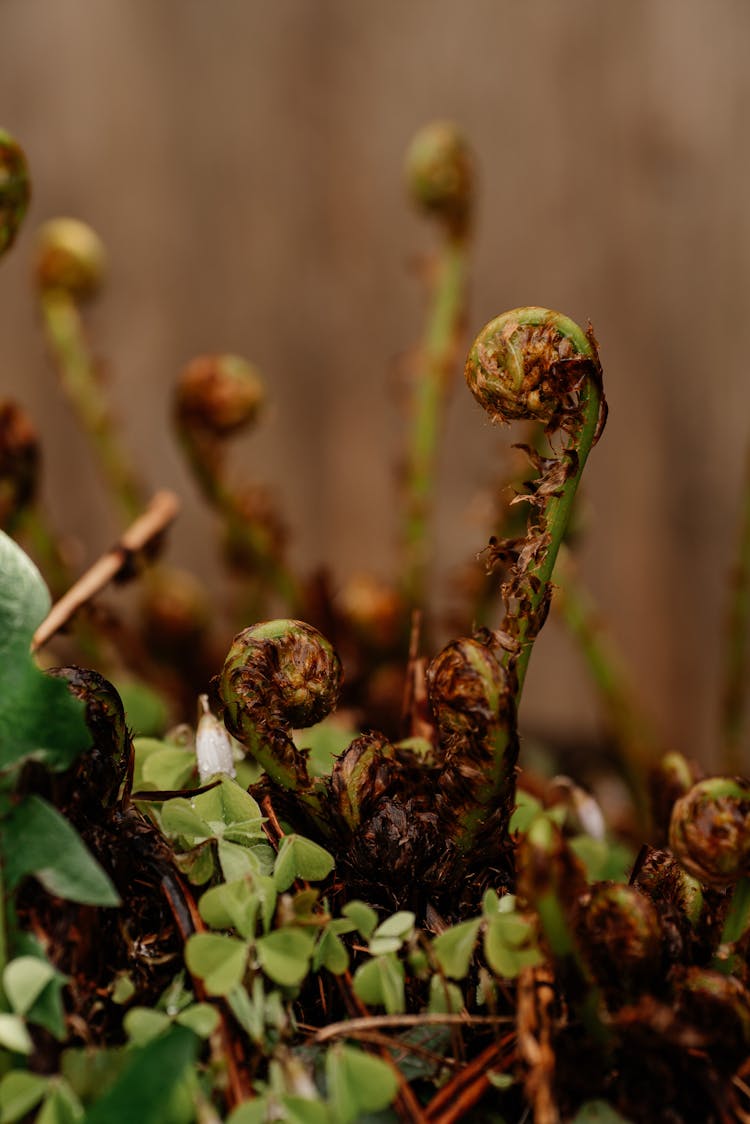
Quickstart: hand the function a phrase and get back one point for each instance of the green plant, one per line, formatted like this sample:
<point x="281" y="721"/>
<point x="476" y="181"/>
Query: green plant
<point x="307" y="917"/>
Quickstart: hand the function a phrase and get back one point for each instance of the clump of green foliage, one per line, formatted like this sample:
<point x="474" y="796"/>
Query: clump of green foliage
<point x="330" y="899"/>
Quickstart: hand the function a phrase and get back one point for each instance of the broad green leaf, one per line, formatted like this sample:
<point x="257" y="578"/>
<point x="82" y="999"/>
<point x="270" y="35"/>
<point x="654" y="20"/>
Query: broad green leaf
<point x="358" y="1083"/>
<point x="47" y="1009"/>
<point x="255" y="1111"/>
<point x="235" y="904"/>
<point x="284" y="955"/>
<point x="38" y="715"/>
<point x="91" y="1072"/>
<point x="301" y="858"/>
<point x="508" y="945"/>
<point x="61" y="1106"/>
<point x="14" y="1035"/>
<point x="250" y="1013"/>
<point x="225" y="804"/>
<point x="492" y="903"/>
<point x="198" y="863"/>
<point x="142" y="1024"/>
<point x="19" y="1092"/>
<point x="380" y="982"/>
<point x="341" y="925"/>
<point x="331" y="953"/>
<point x="201" y="1018"/>
<point x="525" y="811"/>
<point x="231" y="905"/>
<point x="169" y="768"/>
<point x="123" y="989"/>
<point x="245" y="832"/>
<point x="391" y="934"/>
<point x="218" y="960"/>
<point x="145" y="1088"/>
<point x="179" y="817"/>
<point x="303" y="1110"/>
<point x="454" y="948"/>
<point x="399" y="924"/>
<point x="24" y="979"/>
<point x="444" y="997"/>
<point x="363" y="916"/>
<point x="237" y="861"/>
<point x="38" y="840"/>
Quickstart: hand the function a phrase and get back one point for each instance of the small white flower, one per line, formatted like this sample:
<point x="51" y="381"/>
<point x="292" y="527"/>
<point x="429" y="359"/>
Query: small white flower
<point x="213" y="746"/>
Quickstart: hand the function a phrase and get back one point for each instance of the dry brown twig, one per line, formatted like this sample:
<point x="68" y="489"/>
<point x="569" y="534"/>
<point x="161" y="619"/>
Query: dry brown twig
<point x="378" y="1022"/>
<point x="155" y="519"/>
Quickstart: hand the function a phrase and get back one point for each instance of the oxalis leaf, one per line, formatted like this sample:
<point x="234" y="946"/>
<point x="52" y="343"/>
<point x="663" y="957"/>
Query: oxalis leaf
<point x="358" y="1083"/>
<point x="20" y="1091"/>
<point x="36" y="839"/>
<point x="38" y="715"/>
<point x="301" y="858"/>
<point x="144" y="1090"/>
<point x="24" y="979"/>
<point x="285" y="954"/>
<point x="380" y="982"/>
<point x="454" y="948"/>
<point x="219" y="961"/>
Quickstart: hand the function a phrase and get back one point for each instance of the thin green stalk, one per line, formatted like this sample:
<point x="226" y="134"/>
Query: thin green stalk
<point x="432" y="383"/>
<point x="440" y="180"/>
<point x="734" y="698"/>
<point x="78" y="375"/>
<point x="635" y="741"/>
<point x="556" y="516"/>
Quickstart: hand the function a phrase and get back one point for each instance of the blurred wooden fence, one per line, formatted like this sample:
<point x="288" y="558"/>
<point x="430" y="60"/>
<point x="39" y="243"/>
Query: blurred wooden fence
<point x="242" y="162"/>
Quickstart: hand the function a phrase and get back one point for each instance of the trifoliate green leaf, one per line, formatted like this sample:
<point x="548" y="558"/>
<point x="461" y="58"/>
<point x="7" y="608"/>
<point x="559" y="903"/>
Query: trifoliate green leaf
<point x="19" y="1092"/>
<point x="509" y="945"/>
<point x="231" y="905"/>
<point x="201" y="1018"/>
<point x="13" y="1034"/>
<point x="380" y="982"/>
<point x="61" y="1106"/>
<point x="363" y="916"/>
<point x="454" y="948"/>
<point x="143" y="1024"/>
<point x="358" y="1083"/>
<point x="218" y="960"/>
<point x="445" y="998"/>
<point x="146" y="1087"/>
<point x="301" y="858"/>
<point x="391" y="934"/>
<point x="24" y="979"/>
<point x="331" y="953"/>
<point x="284" y="955"/>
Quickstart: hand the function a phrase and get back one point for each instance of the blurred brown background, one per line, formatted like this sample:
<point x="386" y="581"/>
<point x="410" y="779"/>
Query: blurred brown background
<point x="243" y="164"/>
